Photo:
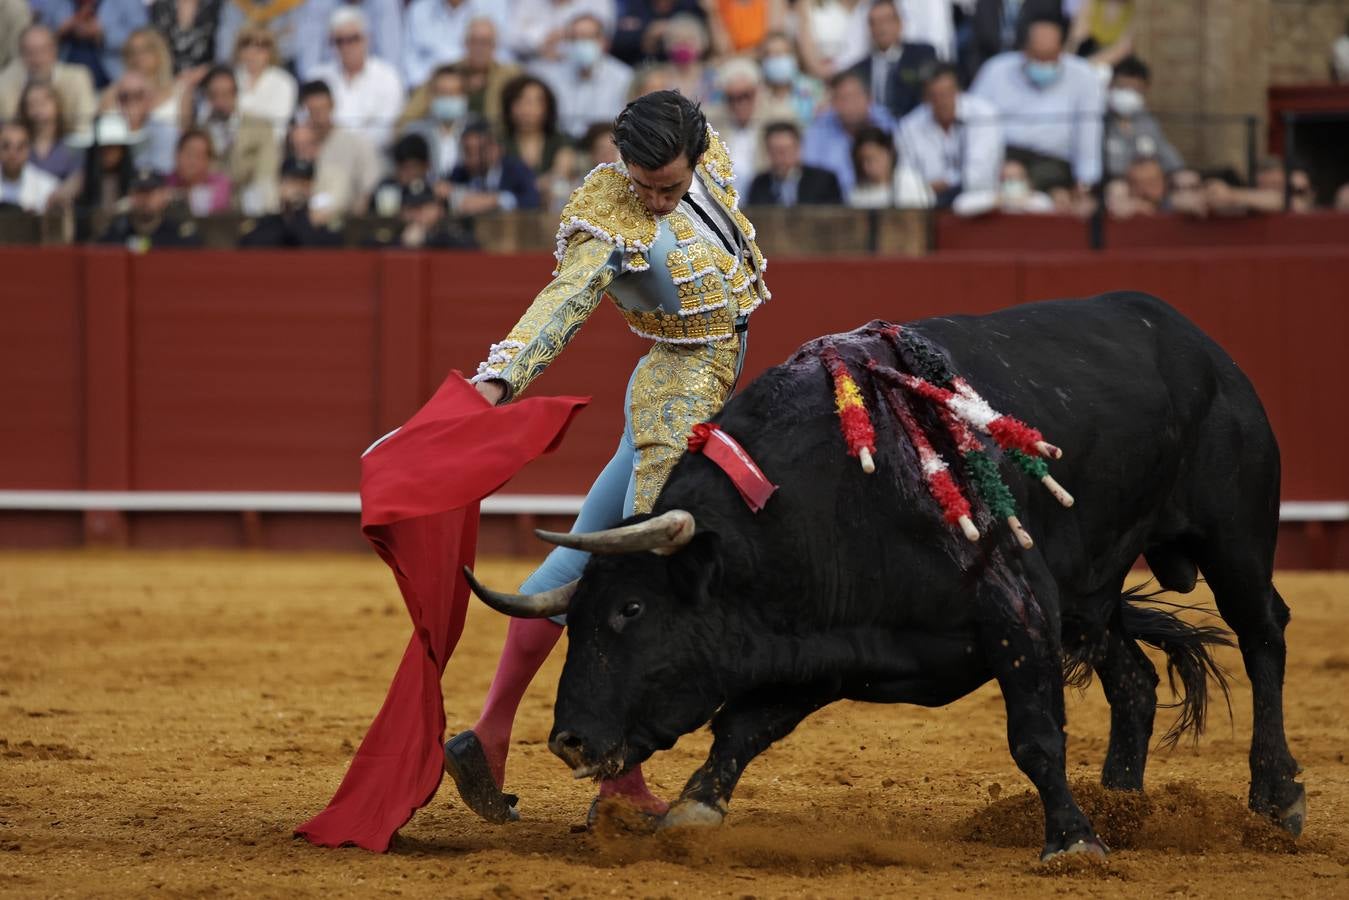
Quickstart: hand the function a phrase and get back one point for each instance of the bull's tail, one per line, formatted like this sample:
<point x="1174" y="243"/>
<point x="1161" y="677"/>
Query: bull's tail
<point x="1189" y="657"/>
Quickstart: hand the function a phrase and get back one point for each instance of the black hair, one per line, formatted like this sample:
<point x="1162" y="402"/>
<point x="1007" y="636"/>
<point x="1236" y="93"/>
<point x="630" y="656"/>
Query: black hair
<point x="781" y="128"/>
<point x="478" y="126"/>
<point x="889" y="3"/>
<point x="219" y="71"/>
<point x="1133" y="67"/>
<point x="656" y="129"/>
<point x="870" y="134"/>
<point x="1049" y="18"/>
<point x="410" y="148"/>
<point x="596" y="131"/>
<point x="195" y="134"/>
<point x="315" y="89"/>
<point x="940" y="70"/>
<point x="445" y="69"/>
<point x="512" y="92"/>
<point x="838" y="78"/>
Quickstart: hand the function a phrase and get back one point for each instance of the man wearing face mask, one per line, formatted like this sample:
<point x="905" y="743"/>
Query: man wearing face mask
<point x="590" y="85"/>
<point x="1051" y="105"/>
<point x="443" y="126"/>
<point x="1131" y="132"/>
<point x="789" y="95"/>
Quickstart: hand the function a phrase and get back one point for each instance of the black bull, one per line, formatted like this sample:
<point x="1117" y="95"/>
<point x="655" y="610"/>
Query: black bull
<point x="850" y="586"/>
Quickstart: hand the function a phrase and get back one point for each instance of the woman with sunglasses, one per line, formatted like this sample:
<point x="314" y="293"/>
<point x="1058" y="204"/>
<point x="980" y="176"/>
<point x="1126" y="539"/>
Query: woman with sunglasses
<point x="266" y="90"/>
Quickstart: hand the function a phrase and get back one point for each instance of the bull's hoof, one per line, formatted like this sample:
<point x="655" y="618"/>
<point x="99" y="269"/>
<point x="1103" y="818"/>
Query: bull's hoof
<point x="693" y="814"/>
<point x="1293" y="816"/>
<point x="1085" y="848"/>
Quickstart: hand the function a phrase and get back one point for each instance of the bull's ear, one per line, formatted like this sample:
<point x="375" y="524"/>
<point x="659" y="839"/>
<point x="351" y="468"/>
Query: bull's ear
<point x="695" y="569"/>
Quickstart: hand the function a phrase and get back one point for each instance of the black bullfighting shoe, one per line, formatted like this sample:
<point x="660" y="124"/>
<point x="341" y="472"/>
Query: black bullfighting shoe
<point x="466" y="763"/>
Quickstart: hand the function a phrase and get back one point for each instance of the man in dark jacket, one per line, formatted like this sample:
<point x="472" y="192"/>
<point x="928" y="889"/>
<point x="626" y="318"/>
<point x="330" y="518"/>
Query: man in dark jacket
<point x="423" y="224"/>
<point x="894" y="71"/>
<point x="487" y="178"/>
<point x="291" y="227"/>
<point x="787" y="182"/>
<point x="147" y="222"/>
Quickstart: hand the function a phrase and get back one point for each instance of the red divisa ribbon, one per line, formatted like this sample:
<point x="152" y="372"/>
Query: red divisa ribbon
<point x="732" y="459"/>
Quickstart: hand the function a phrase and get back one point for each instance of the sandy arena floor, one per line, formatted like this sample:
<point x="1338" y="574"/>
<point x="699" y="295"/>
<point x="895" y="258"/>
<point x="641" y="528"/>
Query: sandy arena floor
<point x="165" y="720"/>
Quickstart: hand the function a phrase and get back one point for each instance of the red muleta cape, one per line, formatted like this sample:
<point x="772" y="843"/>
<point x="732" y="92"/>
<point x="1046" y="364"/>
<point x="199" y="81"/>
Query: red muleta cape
<point x="420" y="489"/>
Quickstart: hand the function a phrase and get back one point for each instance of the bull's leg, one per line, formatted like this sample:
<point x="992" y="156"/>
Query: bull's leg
<point x="1024" y="656"/>
<point x="1130" y="683"/>
<point x="742" y="730"/>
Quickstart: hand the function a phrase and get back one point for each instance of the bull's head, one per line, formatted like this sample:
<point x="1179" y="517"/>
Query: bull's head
<point x="643" y="638"/>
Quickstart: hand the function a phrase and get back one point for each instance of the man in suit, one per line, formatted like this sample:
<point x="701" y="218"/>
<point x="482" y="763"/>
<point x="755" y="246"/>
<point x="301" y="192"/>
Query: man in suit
<point x="787" y="182"/>
<point x="894" y="70"/>
<point x="487" y="178"/>
<point x="1000" y="25"/>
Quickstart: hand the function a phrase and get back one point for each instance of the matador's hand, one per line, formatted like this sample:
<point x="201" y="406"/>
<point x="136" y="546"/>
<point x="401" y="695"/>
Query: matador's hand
<point x="492" y="390"/>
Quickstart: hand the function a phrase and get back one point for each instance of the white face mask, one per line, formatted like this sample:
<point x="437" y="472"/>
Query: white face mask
<point x="1125" y="102"/>
<point x="1015" y="188"/>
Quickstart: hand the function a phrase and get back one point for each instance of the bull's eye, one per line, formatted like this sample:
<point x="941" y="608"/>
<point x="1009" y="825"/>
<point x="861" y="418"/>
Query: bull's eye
<point x="625" y="614"/>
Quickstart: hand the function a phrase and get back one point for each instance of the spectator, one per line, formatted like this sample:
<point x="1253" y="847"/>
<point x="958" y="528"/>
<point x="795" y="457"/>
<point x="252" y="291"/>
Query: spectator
<point x="1142" y="192"/>
<point x="589" y="84"/>
<point x="279" y="17"/>
<point x="424" y="223"/>
<point x="832" y="34"/>
<point x="146" y="223"/>
<point x="411" y="164"/>
<point x="539" y="27"/>
<point x="1339" y="59"/>
<point x="1014" y="195"/>
<point x="487" y="180"/>
<point x="313" y="48"/>
<point x="292" y="225"/>
<point x="155" y="128"/>
<point x="108" y="166"/>
<point x="1051" y="106"/>
<point x="246" y="145"/>
<point x="92" y="32"/>
<point x="686" y="44"/>
<point x="346" y="165"/>
<point x="739" y="118"/>
<point x="1187" y="193"/>
<point x="1103" y="31"/>
<point x="789" y="95"/>
<point x="266" y="90"/>
<point x="788" y="182"/>
<point x="1342" y="199"/>
<point x="895" y="69"/>
<point x="188" y="27"/>
<point x="446" y="109"/>
<point x="739" y="26"/>
<point x="640" y="33"/>
<point x="434" y="33"/>
<point x="999" y="26"/>
<point x="40" y="113"/>
<point x="22" y="184"/>
<point x="933" y="22"/>
<point x="598" y="144"/>
<point x="953" y="140"/>
<point x="530" y="112"/>
<point x="37" y="62"/>
<point x="193" y="182"/>
<point x="884" y="181"/>
<point x="828" y="143"/>
<point x="1130" y="131"/>
<point x="147" y="65"/>
<point x="15" y="16"/>
<point x="367" y="91"/>
<point x="484" y="75"/>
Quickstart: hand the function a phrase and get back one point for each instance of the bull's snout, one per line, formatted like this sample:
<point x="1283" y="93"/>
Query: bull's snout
<point x="569" y="748"/>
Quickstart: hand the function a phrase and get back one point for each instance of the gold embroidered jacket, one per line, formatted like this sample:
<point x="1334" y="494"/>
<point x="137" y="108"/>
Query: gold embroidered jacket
<point x="670" y="283"/>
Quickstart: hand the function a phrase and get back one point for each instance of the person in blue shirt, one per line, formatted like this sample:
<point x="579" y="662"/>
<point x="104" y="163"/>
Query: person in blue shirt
<point x="487" y="178"/>
<point x="829" y="139"/>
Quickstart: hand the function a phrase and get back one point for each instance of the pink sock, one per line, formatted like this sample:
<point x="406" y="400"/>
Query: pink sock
<point x="632" y="787"/>
<point x="528" y="643"/>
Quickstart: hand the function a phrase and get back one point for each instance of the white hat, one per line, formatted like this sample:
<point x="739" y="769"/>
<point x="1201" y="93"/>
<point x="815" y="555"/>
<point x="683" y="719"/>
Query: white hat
<point x="110" y="130"/>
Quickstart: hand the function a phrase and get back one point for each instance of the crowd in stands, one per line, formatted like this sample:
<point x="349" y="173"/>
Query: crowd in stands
<point x="297" y="114"/>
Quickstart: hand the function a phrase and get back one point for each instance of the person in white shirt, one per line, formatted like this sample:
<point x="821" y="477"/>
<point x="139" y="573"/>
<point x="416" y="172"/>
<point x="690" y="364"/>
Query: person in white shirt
<point x="933" y="22"/>
<point x="954" y="140"/>
<point x="884" y="180"/>
<point x="265" y="89"/>
<point x="739" y="119"/>
<point x="590" y="85"/>
<point x="538" y="28"/>
<point x="367" y="92"/>
<point x="1052" y="107"/>
<point x="22" y="183"/>
<point x="434" y="32"/>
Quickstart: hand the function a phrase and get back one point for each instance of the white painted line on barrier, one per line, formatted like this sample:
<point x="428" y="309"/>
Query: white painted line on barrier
<point x="316" y="502"/>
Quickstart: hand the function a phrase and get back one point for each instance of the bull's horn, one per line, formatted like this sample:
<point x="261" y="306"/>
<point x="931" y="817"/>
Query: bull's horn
<point x="524" y="606"/>
<point x="663" y="534"/>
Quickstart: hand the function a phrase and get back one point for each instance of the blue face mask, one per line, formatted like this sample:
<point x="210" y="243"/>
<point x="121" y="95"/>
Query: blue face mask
<point x="1042" y="74"/>
<point x="779" y="69"/>
<point x="584" y="54"/>
<point x="449" y="109"/>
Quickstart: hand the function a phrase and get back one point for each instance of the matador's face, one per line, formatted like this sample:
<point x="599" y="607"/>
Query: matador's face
<point x="661" y="189"/>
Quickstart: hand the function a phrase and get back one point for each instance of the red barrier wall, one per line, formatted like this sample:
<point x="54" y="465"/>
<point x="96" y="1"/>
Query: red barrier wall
<point x="272" y="371"/>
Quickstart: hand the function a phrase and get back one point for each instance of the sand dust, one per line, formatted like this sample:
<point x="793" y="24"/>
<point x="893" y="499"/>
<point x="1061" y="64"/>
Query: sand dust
<point x="167" y="719"/>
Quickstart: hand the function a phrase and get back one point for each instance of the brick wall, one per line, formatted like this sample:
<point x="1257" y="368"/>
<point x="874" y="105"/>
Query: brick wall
<point x="1213" y="61"/>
